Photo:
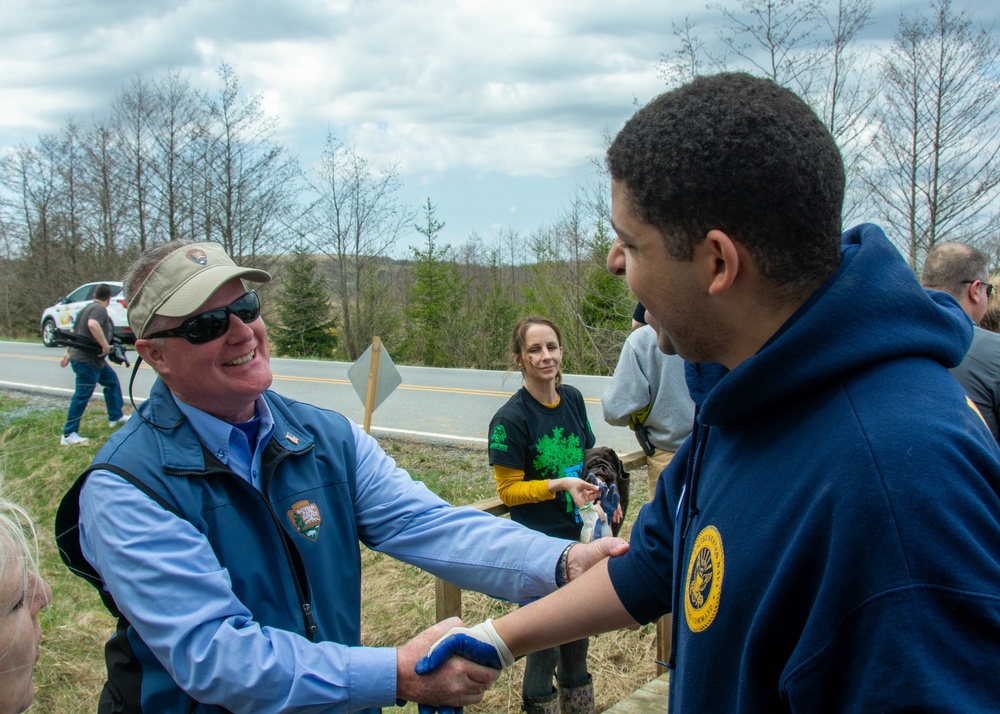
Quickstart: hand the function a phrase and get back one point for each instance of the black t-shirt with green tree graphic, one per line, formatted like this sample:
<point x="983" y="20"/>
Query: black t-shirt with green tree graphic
<point x="545" y="443"/>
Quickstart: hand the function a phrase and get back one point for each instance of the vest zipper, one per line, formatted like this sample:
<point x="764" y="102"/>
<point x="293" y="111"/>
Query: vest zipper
<point x="292" y="553"/>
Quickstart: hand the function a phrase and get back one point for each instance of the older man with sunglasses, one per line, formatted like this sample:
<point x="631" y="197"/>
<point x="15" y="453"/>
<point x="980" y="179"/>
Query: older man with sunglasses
<point x="222" y="526"/>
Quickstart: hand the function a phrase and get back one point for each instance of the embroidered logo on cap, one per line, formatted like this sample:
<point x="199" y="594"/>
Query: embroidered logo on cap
<point x="306" y="519"/>
<point x="197" y="255"/>
<point x="704" y="580"/>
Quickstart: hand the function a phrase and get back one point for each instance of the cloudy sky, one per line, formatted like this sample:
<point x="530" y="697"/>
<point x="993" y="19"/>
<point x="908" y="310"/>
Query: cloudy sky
<point x="493" y="109"/>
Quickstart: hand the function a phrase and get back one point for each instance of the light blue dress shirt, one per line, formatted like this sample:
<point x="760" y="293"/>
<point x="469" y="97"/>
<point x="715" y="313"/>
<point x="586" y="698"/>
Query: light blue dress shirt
<point x="166" y="579"/>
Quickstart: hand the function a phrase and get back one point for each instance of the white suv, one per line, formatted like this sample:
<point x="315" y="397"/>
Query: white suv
<point x="63" y="313"/>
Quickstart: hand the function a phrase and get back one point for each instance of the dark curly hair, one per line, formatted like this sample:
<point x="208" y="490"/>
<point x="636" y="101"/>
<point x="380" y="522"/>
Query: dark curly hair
<point x="745" y="156"/>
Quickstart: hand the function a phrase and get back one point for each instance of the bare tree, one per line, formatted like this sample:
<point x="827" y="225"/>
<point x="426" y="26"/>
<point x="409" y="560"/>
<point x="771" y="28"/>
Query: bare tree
<point x="774" y="37"/>
<point x="178" y="124"/>
<point x="843" y="93"/>
<point x="134" y="110"/>
<point x="252" y="182"/>
<point x="65" y="154"/>
<point x="107" y="194"/>
<point x="357" y="220"/>
<point x="805" y="45"/>
<point x="934" y="170"/>
<point x="684" y="63"/>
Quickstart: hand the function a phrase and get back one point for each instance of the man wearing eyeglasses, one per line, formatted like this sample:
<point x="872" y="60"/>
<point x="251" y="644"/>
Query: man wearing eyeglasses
<point x="222" y="525"/>
<point x="963" y="272"/>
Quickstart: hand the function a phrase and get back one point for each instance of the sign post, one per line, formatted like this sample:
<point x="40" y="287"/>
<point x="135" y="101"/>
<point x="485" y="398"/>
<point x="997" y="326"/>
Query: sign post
<point x="374" y="377"/>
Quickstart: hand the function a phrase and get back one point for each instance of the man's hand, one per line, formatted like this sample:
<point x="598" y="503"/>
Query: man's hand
<point x="64" y="361"/>
<point x="481" y="644"/>
<point x="454" y="683"/>
<point x="582" y="557"/>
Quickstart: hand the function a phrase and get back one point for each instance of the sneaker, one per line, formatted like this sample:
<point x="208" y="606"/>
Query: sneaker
<point x="118" y="422"/>
<point x="72" y="439"/>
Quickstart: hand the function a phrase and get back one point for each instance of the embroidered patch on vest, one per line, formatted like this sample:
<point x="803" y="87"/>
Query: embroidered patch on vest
<point x="306" y="519"/>
<point x="704" y="580"/>
<point x="197" y="255"/>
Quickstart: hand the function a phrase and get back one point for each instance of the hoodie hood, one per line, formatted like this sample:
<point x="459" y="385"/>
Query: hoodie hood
<point x="837" y="332"/>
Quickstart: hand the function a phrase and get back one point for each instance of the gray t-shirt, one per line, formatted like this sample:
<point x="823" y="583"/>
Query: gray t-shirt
<point x="979" y="375"/>
<point x="93" y="311"/>
<point x="646" y="376"/>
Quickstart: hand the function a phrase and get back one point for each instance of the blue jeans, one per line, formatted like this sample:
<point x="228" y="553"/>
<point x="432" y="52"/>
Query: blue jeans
<point x="87" y="378"/>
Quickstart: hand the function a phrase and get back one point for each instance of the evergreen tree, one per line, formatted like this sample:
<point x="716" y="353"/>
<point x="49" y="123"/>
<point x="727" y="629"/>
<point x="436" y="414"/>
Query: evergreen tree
<point x="436" y="295"/>
<point x="606" y="308"/>
<point x="305" y="328"/>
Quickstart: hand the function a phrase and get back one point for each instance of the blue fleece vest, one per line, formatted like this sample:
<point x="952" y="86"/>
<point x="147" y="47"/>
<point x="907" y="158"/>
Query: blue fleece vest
<point x="291" y="549"/>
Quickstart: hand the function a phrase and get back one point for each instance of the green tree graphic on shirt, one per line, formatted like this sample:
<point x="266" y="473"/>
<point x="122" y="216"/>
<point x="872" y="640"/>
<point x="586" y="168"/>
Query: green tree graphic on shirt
<point x="556" y="452"/>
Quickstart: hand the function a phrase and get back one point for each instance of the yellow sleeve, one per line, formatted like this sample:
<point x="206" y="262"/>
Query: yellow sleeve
<point x="515" y="491"/>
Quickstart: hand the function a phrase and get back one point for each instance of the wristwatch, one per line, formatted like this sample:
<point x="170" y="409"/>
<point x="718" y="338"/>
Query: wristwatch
<point x="561" y="575"/>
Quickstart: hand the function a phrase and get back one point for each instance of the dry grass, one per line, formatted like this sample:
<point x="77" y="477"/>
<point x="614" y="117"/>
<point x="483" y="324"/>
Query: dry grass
<point x="398" y="600"/>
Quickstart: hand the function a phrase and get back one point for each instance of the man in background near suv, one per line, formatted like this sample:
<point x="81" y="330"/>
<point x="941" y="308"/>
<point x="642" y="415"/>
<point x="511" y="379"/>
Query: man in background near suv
<point x="92" y="321"/>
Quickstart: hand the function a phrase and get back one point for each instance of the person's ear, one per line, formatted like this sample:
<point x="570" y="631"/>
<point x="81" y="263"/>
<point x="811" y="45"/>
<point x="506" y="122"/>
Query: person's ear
<point x="719" y="261"/>
<point x="151" y="353"/>
<point x="975" y="293"/>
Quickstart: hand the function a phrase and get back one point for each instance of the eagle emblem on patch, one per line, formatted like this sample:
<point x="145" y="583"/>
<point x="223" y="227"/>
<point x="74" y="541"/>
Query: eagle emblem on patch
<point x="306" y="519"/>
<point x="703" y="585"/>
<point x="197" y="255"/>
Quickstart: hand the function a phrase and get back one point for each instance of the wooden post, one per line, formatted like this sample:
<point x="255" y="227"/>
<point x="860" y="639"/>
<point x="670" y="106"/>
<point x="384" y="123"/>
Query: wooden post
<point x="372" y="383"/>
<point x="663" y="624"/>
<point x="447" y="600"/>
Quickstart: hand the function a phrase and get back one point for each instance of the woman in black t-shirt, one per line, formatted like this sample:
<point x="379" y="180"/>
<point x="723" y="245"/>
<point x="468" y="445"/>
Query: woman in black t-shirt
<point x="537" y="442"/>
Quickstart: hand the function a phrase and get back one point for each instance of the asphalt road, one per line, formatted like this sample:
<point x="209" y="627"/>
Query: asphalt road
<point x="450" y="405"/>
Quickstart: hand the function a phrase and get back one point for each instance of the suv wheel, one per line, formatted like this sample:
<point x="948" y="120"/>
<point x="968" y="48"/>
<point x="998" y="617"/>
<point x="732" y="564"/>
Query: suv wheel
<point x="49" y="333"/>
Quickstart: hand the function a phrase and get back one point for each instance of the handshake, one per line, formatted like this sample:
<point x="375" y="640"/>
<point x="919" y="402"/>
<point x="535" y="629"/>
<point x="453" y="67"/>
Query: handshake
<point x="449" y="665"/>
<point x="478" y="645"/>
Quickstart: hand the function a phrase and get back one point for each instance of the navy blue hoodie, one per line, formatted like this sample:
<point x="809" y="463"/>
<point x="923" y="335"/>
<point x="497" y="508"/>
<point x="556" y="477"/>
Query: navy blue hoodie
<point x="838" y="531"/>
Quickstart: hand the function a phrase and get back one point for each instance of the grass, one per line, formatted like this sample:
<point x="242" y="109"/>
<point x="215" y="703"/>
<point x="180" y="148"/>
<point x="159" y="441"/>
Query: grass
<point x="398" y="599"/>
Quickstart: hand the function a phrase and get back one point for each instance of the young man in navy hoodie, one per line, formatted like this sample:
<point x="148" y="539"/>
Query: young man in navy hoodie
<point x="828" y="539"/>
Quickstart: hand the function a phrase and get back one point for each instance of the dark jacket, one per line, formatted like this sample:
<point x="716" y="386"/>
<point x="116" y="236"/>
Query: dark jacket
<point x="837" y="545"/>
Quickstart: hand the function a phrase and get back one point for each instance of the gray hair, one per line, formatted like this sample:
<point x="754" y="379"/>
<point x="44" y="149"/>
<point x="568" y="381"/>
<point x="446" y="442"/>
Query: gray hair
<point x="18" y="539"/>
<point x="948" y="265"/>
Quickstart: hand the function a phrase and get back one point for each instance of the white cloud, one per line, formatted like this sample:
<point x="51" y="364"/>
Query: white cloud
<point x="441" y="88"/>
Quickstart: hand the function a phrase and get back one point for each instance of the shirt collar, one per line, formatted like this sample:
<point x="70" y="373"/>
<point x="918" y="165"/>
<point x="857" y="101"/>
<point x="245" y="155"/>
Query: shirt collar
<point x="227" y="443"/>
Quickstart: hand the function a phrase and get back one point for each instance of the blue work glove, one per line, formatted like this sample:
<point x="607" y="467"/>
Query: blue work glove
<point x="609" y="498"/>
<point x="480" y="644"/>
<point x="428" y="709"/>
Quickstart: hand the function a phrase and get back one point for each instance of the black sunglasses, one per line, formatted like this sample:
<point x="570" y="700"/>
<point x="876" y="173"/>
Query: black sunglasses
<point x="213" y="324"/>
<point x="988" y="286"/>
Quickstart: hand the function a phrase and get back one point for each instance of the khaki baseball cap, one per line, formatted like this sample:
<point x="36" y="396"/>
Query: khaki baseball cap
<point x="183" y="281"/>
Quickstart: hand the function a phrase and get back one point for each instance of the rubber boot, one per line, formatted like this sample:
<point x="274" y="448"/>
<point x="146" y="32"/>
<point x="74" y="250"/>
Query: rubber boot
<point x="577" y="700"/>
<point x="541" y="705"/>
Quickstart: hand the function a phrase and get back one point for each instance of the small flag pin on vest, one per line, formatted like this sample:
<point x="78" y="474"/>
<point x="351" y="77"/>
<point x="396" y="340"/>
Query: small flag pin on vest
<point x="293" y="439"/>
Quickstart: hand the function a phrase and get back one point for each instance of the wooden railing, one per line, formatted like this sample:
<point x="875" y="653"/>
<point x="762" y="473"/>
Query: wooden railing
<point x="448" y="597"/>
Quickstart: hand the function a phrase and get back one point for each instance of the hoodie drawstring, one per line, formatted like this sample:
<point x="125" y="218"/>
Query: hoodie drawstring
<point x="686" y="511"/>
